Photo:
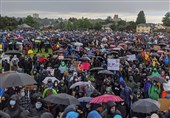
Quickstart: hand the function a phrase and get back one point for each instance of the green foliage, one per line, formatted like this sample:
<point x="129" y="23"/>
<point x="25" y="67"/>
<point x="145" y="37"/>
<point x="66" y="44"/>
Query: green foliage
<point x="141" y="18"/>
<point x="8" y="23"/>
<point x="97" y="26"/>
<point x="166" y="19"/>
<point x="31" y="22"/>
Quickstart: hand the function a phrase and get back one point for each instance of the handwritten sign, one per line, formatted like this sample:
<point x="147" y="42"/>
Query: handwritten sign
<point x="131" y="57"/>
<point x="113" y="64"/>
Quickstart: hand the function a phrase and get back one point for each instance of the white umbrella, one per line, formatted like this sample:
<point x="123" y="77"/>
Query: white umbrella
<point x="166" y="86"/>
<point x="45" y="81"/>
<point x="78" y="44"/>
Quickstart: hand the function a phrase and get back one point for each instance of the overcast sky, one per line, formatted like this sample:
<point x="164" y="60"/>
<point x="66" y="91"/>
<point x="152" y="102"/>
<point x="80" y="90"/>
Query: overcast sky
<point x="126" y="9"/>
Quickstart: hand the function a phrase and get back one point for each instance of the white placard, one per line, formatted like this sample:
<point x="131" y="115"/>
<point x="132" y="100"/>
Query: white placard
<point x="131" y="57"/>
<point x="113" y="64"/>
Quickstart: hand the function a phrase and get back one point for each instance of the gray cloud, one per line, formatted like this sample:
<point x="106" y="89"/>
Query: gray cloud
<point x="78" y="7"/>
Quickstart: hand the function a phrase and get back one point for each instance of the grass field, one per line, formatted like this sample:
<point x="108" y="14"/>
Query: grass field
<point x="43" y="52"/>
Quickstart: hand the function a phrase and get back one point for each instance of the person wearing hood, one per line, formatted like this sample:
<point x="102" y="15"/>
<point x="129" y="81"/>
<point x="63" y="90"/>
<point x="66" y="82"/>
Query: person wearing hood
<point x="70" y="109"/>
<point x="63" y="68"/>
<point x="14" y="110"/>
<point x="24" y="100"/>
<point x="131" y="83"/>
<point x="49" y="90"/>
<point x="96" y="109"/>
<point x="155" y="72"/>
<point x="147" y="85"/>
<point x="126" y="94"/>
<point x="38" y="109"/>
<point x="111" y="110"/>
<point x="154" y="91"/>
<point x="62" y="87"/>
<point x="46" y="115"/>
<point x="14" y="63"/>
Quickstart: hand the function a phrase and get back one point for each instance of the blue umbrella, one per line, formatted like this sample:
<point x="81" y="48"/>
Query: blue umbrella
<point x="84" y="99"/>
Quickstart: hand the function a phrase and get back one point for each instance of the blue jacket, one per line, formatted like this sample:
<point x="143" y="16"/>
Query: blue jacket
<point x="94" y="114"/>
<point x="72" y="114"/>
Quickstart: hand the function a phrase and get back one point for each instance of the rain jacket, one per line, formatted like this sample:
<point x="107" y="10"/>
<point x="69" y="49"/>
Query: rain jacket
<point x="94" y="114"/>
<point x="15" y="112"/>
<point x="69" y="109"/>
<point x="72" y="114"/>
<point x="107" y="113"/>
<point x="63" y="67"/>
<point x="166" y="60"/>
<point x="53" y="91"/>
<point x="155" y="73"/>
<point x="154" y="92"/>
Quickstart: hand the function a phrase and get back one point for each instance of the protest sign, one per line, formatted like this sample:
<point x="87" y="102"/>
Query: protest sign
<point x="113" y="64"/>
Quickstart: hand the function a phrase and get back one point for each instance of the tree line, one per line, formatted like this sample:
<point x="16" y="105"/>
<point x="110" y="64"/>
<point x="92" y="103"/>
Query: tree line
<point x="10" y="23"/>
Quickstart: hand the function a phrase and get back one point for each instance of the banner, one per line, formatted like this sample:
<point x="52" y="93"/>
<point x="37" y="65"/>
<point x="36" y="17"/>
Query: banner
<point x="131" y="57"/>
<point x="113" y="64"/>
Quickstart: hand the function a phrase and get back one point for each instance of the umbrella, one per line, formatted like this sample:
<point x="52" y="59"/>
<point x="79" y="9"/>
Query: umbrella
<point x="42" y="59"/>
<point x="81" y="83"/>
<point x="59" y="51"/>
<point x="113" y="52"/>
<point x="12" y="52"/>
<point x="62" y="99"/>
<point x="105" y="98"/>
<point x="45" y="81"/>
<point x="30" y="52"/>
<point x="96" y="69"/>
<point x="37" y="41"/>
<point x="78" y="44"/>
<point x="156" y="78"/>
<point x="145" y="106"/>
<point x="160" y="51"/>
<point x="107" y="72"/>
<point x="84" y="99"/>
<point x="11" y="78"/>
<point x="85" y="59"/>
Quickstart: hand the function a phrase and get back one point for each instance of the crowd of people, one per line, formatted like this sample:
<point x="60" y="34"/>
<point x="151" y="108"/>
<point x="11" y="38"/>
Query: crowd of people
<point x="78" y="56"/>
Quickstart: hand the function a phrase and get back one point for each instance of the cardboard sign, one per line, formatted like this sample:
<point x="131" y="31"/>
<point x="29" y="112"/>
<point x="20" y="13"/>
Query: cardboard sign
<point x="113" y="64"/>
<point x="156" y="47"/>
<point x="131" y="57"/>
<point x="165" y="103"/>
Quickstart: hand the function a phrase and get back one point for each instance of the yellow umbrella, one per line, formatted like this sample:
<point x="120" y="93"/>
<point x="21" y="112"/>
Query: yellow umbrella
<point x="0" y="46"/>
<point x="37" y="41"/>
<point x="30" y="52"/>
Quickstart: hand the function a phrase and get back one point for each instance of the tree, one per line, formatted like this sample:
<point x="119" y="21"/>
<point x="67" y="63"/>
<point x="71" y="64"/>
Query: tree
<point x="113" y="26"/>
<point x="166" y="19"/>
<point x="108" y="19"/>
<point x="141" y="18"/>
<point x="131" y="26"/>
<point x="31" y="22"/>
<point x="97" y="26"/>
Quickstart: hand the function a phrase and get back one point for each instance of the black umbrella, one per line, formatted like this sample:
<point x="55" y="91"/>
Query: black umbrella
<point x="84" y="99"/>
<point x="157" y="79"/>
<point x="11" y="78"/>
<point x="145" y="106"/>
<point x="85" y="59"/>
<point x="62" y="99"/>
<point x="12" y="52"/>
<point x="96" y="69"/>
<point x="58" y="51"/>
<point x="107" y="72"/>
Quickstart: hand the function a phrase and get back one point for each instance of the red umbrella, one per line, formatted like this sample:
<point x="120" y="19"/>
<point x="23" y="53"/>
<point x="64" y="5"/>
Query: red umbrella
<point x="105" y="98"/>
<point x="42" y="59"/>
